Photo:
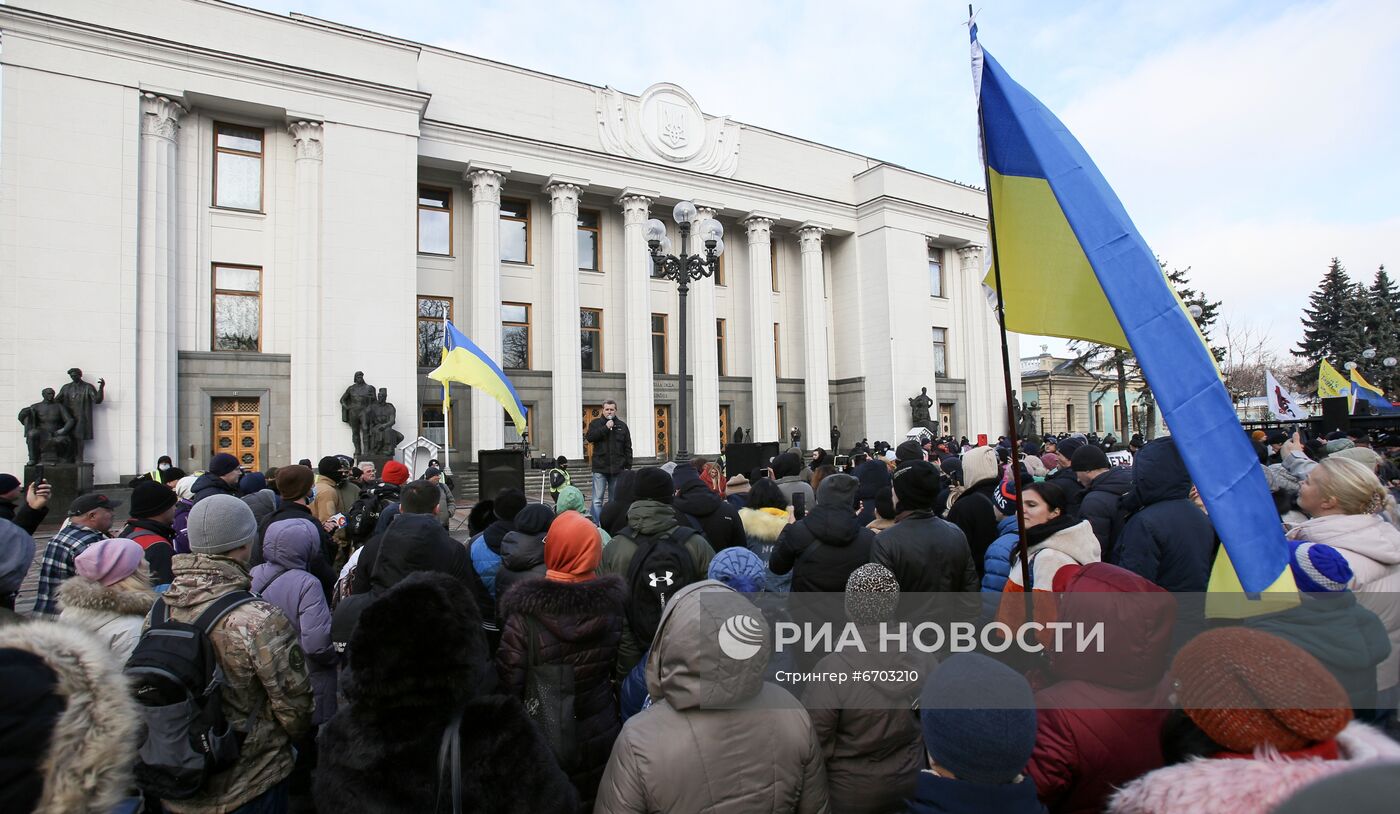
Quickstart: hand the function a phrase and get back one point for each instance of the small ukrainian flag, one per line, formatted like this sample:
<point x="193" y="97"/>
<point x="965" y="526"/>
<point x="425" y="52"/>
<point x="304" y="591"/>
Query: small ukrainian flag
<point x="465" y="363"/>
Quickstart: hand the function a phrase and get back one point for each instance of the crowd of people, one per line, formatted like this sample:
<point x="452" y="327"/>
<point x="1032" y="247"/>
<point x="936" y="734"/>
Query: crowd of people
<point x="318" y="639"/>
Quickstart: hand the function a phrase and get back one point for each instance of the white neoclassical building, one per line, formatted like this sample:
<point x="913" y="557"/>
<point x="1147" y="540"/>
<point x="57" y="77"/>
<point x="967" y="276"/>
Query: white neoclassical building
<point x="226" y="213"/>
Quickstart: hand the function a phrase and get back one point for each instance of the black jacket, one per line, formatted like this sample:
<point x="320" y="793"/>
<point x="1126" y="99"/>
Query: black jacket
<point x="612" y="449"/>
<point x="927" y="554"/>
<point x="719" y="521"/>
<point x="975" y="514"/>
<point x="321" y="567"/>
<point x="1101" y="505"/>
<point x="416" y="542"/>
<point x="211" y="484"/>
<point x="158" y="541"/>
<point x="23" y="516"/>
<point x="1169" y="540"/>
<point x="522" y="559"/>
<point x="822" y="549"/>
<point x="1068" y="482"/>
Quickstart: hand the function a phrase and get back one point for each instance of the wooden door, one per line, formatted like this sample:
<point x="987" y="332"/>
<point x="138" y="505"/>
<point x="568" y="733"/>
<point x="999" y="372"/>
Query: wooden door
<point x="663" y="432"/>
<point x="590" y="412"/>
<point x="723" y="425"/>
<point x="238" y="430"/>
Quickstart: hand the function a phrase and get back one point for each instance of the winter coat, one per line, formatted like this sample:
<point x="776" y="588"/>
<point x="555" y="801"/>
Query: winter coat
<point x="719" y="521"/>
<point x="82" y="712"/>
<point x="447" y="505"/>
<point x="762" y="527"/>
<point x="57" y="565"/>
<point x="612" y="449"/>
<point x="486" y="553"/>
<point x="716" y="738"/>
<point x="822" y="549"/>
<point x="943" y="795"/>
<point x="1068" y="481"/>
<point x="210" y="484"/>
<point x="875" y="483"/>
<point x="927" y="554"/>
<point x="180" y="524"/>
<point x="265" y="680"/>
<point x="1168" y="540"/>
<point x="1372" y="549"/>
<point x="322" y="567"/>
<point x="578" y="624"/>
<point x="1099" y="504"/>
<point x="113" y="614"/>
<point x="1097" y="725"/>
<point x="651" y="518"/>
<point x="263" y="503"/>
<point x="1074" y="544"/>
<point x="23" y="516"/>
<point x="797" y="485"/>
<point x="16" y="557"/>
<point x="1347" y="638"/>
<point x="522" y="559"/>
<point x="327" y="501"/>
<point x="1213" y="786"/>
<point x="285" y="581"/>
<point x="997" y="565"/>
<point x="415" y="542"/>
<point x="974" y="513"/>
<point x="158" y="541"/>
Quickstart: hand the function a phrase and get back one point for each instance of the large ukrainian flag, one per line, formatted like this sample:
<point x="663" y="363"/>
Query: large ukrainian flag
<point x="1073" y="265"/>
<point x="464" y="362"/>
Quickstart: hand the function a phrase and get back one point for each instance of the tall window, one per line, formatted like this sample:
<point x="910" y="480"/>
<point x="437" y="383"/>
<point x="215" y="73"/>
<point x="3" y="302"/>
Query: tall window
<point x="935" y="272"/>
<point x="1069" y="418"/>
<point x="591" y="339"/>
<point x="237" y="308"/>
<point x="434" y="220"/>
<point x="515" y="231"/>
<point x="722" y="356"/>
<point x="719" y="271"/>
<point x="940" y="352"/>
<point x="432" y="423"/>
<point x="238" y="157"/>
<point x="777" y="353"/>
<point x="431" y="312"/>
<point x="773" y="261"/>
<point x="512" y="435"/>
<point x="1098" y="417"/>
<point x="515" y="335"/>
<point x="1136" y="426"/>
<point x="589" y="231"/>
<point x="658" y="343"/>
<point x="1118" y="424"/>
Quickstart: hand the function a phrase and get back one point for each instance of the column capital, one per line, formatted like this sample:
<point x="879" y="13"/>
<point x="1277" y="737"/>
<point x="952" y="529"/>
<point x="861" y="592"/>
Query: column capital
<point x="969" y="251"/>
<point x="485" y="185"/>
<point x="759" y="226"/>
<point x="708" y="209"/>
<point x="563" y="194"/>
<point x="809" y="236"/>
<point x="306" y="137"/>
<point x="160" y="115"/>
<point x="636" y="204"/>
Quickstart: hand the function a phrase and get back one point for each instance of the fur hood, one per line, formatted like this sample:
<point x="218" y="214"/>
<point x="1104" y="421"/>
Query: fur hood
<point x="81" y="592"/>
<point x="88" y="765"/>
<point x="1207" y="786"/>
<point x="763" y="526"/>
<point x="547" y="599"/>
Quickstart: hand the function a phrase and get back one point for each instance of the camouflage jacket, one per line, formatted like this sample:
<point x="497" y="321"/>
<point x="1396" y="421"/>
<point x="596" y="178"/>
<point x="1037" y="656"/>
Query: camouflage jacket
<point x="267" y="693"/>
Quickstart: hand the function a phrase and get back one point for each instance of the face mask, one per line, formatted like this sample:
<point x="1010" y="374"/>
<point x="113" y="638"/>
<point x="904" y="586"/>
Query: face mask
<point x="164" y="467"/>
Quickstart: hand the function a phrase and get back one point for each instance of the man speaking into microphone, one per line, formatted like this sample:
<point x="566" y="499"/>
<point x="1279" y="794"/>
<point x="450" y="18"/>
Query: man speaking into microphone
<point x="612" y="452"/>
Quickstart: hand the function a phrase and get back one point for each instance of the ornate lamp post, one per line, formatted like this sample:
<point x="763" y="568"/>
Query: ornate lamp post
<point x="683" y="268"/>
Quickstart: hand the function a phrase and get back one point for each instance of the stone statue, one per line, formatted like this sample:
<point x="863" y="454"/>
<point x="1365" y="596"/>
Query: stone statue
<point x="354" y="404"/>
<point x="381" y="439"/>
<point x="919" y="409"/>
<point x="48" y="431"/>
<point x="1025" y="419"/>
<point x="80" y="397"/>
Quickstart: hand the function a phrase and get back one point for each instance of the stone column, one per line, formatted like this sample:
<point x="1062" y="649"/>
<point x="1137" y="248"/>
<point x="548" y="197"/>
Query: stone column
<point x="761" y="361"/>
<point x="157" y="354"/>
<point x="484" y="305"/>
<point x="817" y="366"/>
<point x="704" y="352"/>
<point x="308" y="395"/>
<point x="566" y="367"/>
<point x="971" y="339"/>
<point x="640" y="404"/>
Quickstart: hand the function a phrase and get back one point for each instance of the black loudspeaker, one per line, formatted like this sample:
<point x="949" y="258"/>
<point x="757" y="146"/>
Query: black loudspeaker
<point x="1335" y="415"/>
<point x="498" y="470"/>
<point x="741" y="459"/>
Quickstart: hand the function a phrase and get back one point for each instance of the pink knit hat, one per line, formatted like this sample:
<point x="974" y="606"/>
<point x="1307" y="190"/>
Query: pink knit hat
<point x="109" y="561"/>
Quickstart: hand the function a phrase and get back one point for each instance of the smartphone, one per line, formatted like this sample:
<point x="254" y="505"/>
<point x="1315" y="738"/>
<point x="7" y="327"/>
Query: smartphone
<point x="39" y="473"/>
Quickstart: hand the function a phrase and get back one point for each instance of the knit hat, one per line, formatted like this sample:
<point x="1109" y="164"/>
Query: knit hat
<point x="570" y="499"/>
<point x="1333" y="447"/>
<point x="1259" y="435"/>
<point x="252" y="482"/>
<point x="916" y="485"/>
<point x="1319" y="568"/>
<point x="220" y="523"/>
<point x="1052" y="460"/>
<point x="1276" y="437"/>
<point x="572" y="548"/>
<point x="329" y="467"/>
<point x="109" y="561"/>
<point x="509" y="502"/>
<point x="8" y="483"/>
<point x="222" y="464"/>
<point x="1034" y="466"/>
<point x="872" y="594"/>
<point x="294" y="482"/>
<point x="740" y="569"/>
<point x="432" y="472"/>
<point x="1088" y="458"/>
<point x="533" y="519"/>
<point x="1365" y="456"/>
<point x="909" y="450"/>
<point x="1067" y="446"/>
<point x="737" y="485"/>
<point x="1245" y="689"/>
<point x="837" y="490"/>
<point x="149" y="499"/>
<point x="395" y="473"/>
<point x="684" y="474"/>
<point x="787" y="465"/>
<point x="1005" y="497"/>
<point x="1030" y="448"/>
<point x="978" y="718"/>
<point x="654" y="484"/>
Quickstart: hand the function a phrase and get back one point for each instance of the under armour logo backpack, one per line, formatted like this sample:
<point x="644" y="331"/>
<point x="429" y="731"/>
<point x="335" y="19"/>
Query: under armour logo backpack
<point x="653" y="579"/>
<point x="660" y="567"/>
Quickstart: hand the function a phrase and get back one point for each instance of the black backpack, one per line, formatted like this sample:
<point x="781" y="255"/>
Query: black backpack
<point x="660" y="567"/>
<point x="364" y="514"/>
<point x="176" y="678"/>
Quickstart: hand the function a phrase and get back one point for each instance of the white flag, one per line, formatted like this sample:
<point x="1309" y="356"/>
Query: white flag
<point x="1283" y="404"/>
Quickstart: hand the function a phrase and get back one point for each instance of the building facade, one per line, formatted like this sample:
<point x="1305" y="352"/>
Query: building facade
<point x="1070" y="399"/>
<point x="227" y="213"/>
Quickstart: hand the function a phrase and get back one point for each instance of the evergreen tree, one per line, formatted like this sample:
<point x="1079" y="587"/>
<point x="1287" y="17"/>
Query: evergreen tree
<point x="1329" y="327"/>
<point x="1383" y="332"/>
<point x="1190" y="296"/>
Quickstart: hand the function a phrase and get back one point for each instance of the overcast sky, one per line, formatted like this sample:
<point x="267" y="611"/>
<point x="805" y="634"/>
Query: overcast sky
<point x="1252" y="140"/>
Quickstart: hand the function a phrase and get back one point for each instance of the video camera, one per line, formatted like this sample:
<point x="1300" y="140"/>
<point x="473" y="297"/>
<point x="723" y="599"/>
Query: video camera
<point x="542" y="464"/>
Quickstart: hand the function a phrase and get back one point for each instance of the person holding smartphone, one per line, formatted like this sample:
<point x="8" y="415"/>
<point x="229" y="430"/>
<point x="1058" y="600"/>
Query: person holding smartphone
<point x="29" y="512"/>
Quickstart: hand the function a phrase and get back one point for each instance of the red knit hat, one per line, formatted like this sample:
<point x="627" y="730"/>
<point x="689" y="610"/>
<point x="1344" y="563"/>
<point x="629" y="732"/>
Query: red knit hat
<point x="1246" y="689"/>
<point x="572" y="548"/>
<point x="395" y="473"/>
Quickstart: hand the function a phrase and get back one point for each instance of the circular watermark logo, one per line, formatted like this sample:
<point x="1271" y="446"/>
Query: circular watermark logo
<point x="741" y="637"/>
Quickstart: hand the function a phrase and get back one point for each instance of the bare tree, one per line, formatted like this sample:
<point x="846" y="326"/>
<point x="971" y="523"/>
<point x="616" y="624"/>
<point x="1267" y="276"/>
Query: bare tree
<point x="1248" y="356"/>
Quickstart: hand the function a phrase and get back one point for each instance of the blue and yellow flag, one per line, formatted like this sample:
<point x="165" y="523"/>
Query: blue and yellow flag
<point x="1364" y="391"/>
<point x="1061" y="236"/>
<point x="464" y="362"/>
<point x="1330" y="383"/>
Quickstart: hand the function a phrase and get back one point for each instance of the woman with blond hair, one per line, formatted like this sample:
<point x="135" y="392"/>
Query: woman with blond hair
<point x="111" y="594"/>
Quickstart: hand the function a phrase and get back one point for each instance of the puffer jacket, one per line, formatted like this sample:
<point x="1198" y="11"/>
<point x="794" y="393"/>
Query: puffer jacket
<point x="1097" y="725"/>
<point x="822" y="549"/>
<point x="578" y="624"/>
<point x="112" y="614"/>
<point x="1065" y="478"/>
<point x="265" y="680"/>
<point x="210" y="484"/>
<point x="1168" y="540"/>
<point x="263" y="503"/>
<point x="718" y="520"/>
<point x="522" y="559"/>
<point x="1371" y="547"/>
<point x="1099" y="503"/>
<point x="996" y="567"/>
<point x="762" y="527"/>
<point x="321" y="567"/>
<point x="1347" y="638"/>
<point x="284" y="580"/>
<point x="1209" y="786"/>
<point x="486" y="552"/>
<point x="16" y="556"/>
<point x="1073" y="544"/>
<point x="717" y="737"/>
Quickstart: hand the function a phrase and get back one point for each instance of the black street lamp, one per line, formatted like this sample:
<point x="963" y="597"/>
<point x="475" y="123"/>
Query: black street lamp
<point x="684" y="268"/>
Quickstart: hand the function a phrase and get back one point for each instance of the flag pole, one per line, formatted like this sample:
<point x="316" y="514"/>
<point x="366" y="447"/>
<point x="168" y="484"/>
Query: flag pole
<point x="1005" y="354"/>
<point x="446" y="410"/>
